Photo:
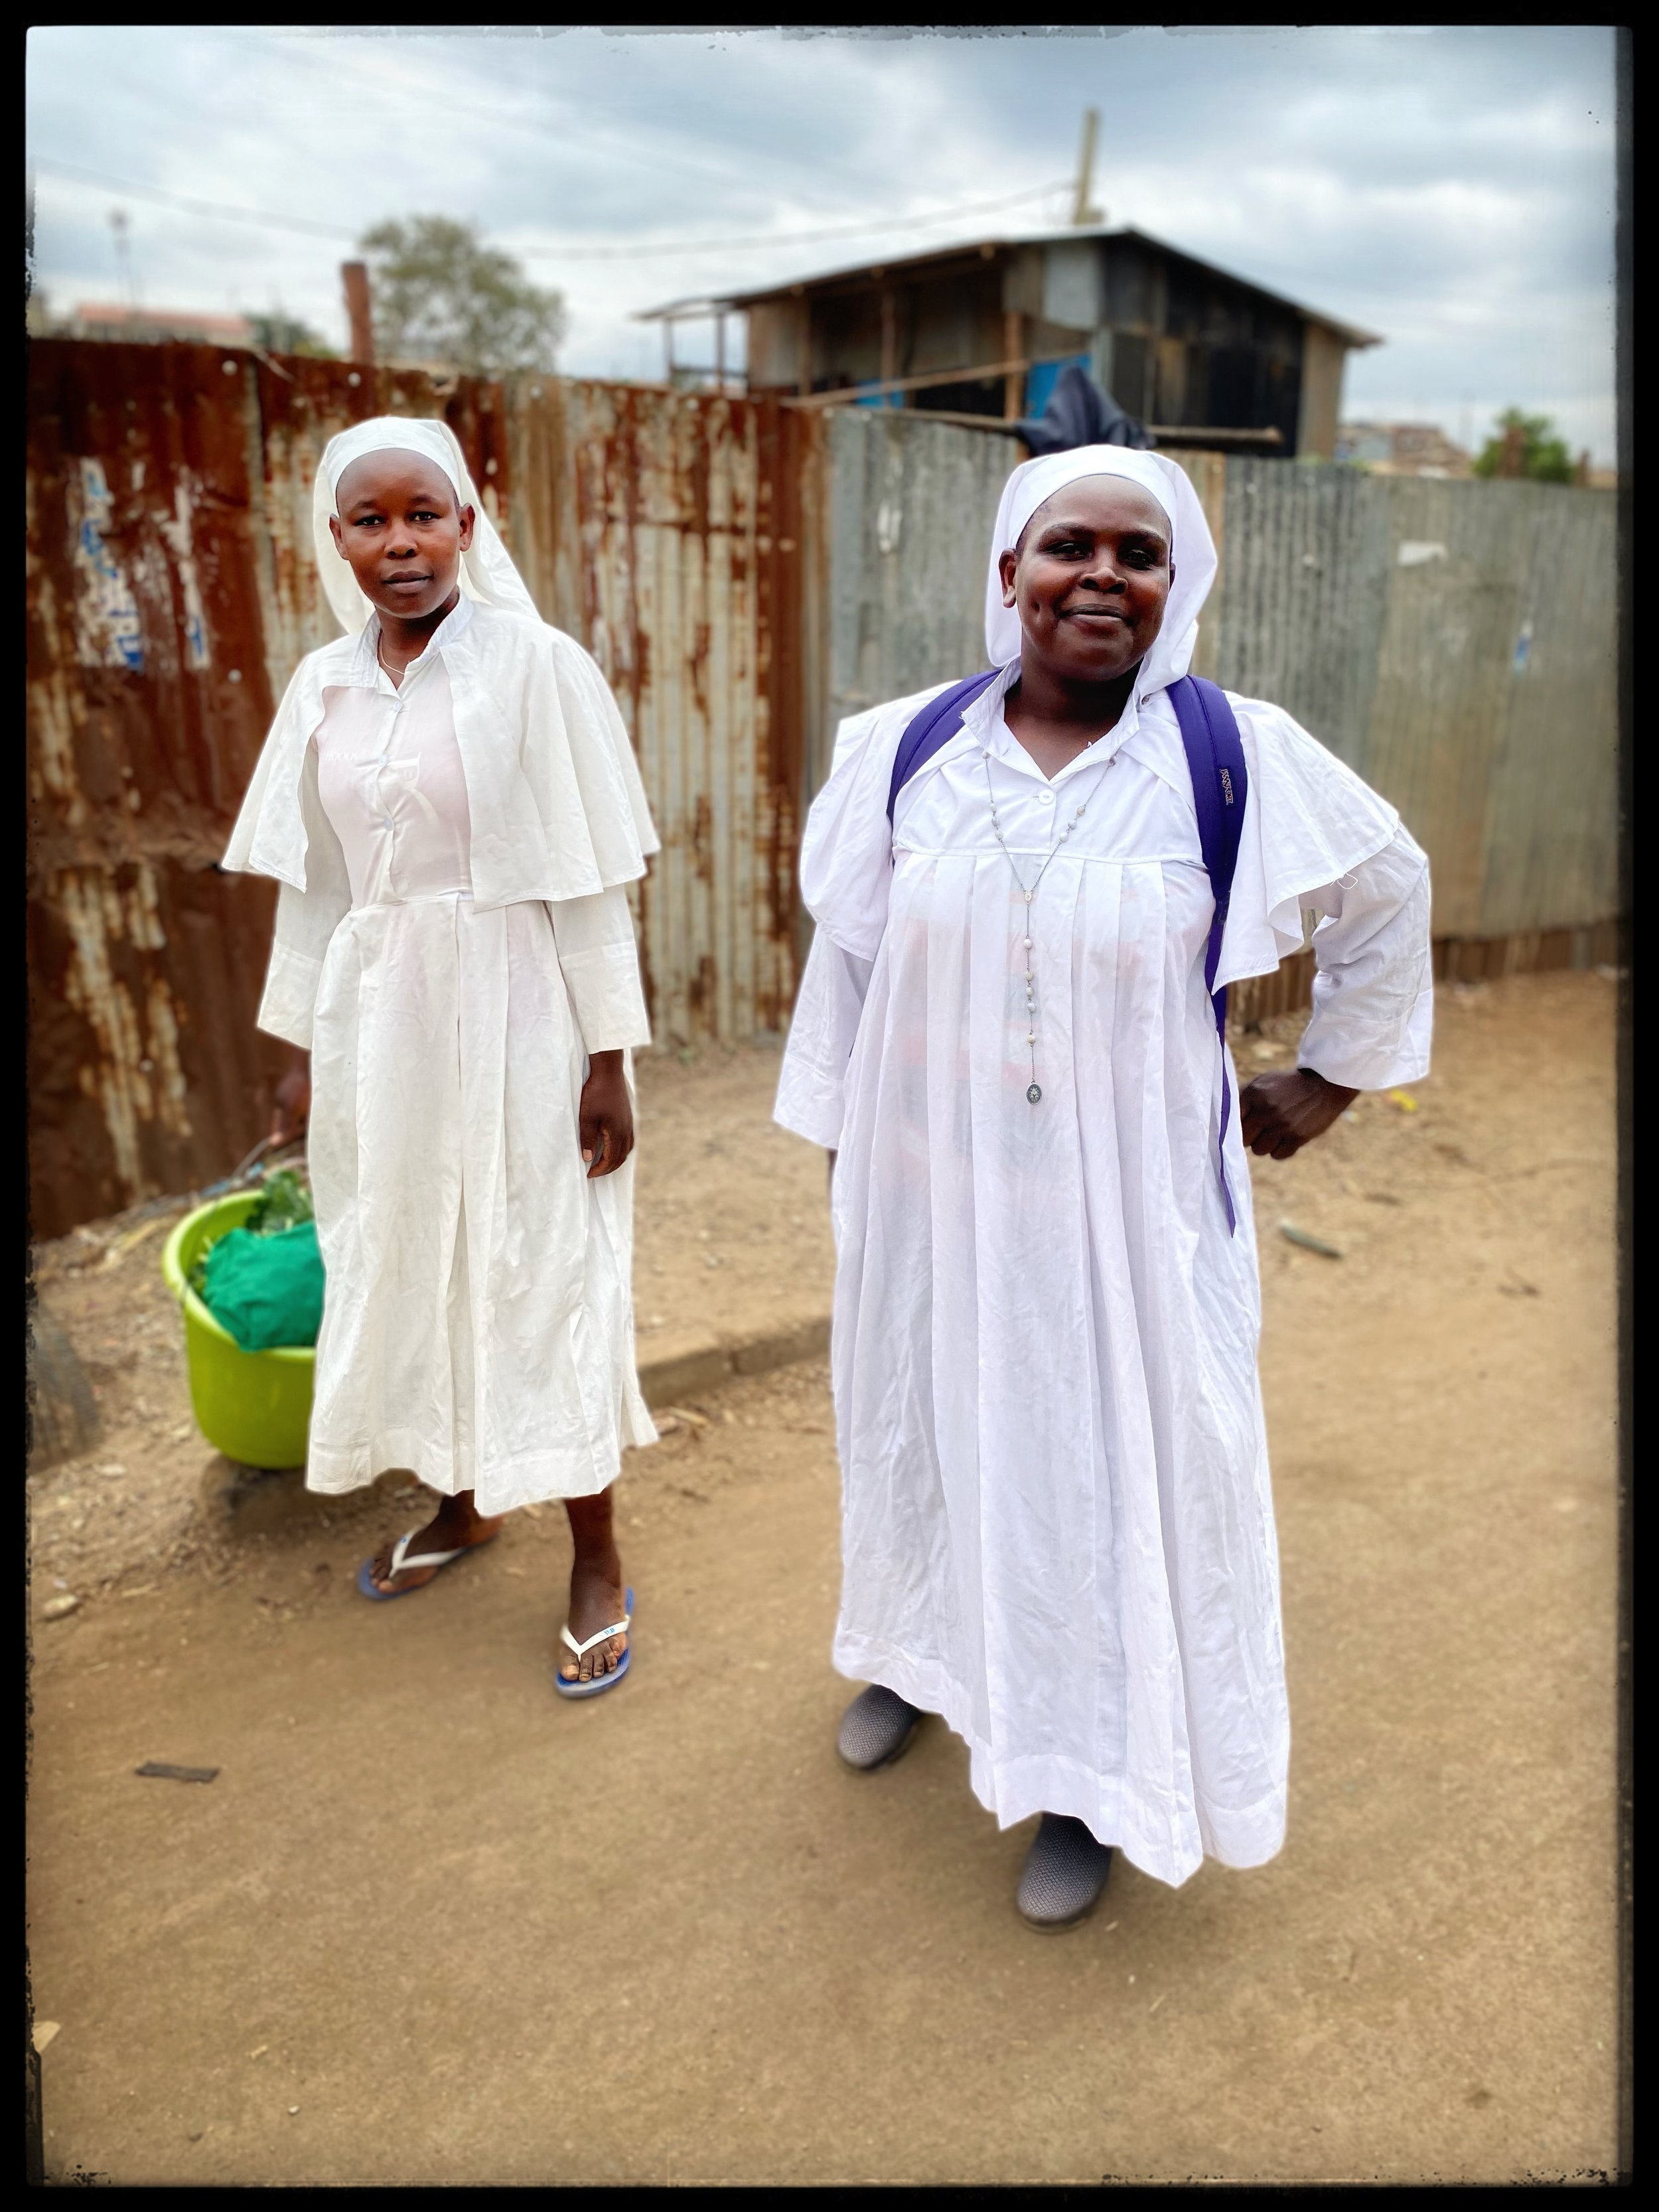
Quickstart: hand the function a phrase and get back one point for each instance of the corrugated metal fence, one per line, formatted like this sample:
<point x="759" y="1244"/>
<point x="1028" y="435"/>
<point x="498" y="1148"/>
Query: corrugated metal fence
<point x="676" y="536"/>
<point x="745" y="574"/>
<point x="171" y="589"/>
<point x="1455" y="642"/>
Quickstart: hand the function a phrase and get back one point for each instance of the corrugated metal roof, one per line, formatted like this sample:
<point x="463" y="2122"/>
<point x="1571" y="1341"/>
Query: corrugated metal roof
<point x="985" y="249"/>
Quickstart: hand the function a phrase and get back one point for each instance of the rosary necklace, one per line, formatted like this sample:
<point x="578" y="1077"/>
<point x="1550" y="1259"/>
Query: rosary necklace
<point x="1035" y="1092"/>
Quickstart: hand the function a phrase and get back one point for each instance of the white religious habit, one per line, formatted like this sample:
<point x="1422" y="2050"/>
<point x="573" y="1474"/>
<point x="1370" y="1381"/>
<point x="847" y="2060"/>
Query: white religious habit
<point x="452" y="941"/>
<point x="1057" y="1525"/>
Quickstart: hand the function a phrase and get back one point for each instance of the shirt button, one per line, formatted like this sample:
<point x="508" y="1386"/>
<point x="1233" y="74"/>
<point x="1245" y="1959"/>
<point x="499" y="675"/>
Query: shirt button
<point x="1047" y="798"/>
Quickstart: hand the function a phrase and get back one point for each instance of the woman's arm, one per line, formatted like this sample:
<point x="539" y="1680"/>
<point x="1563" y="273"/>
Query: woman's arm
<point x="1373" y="1003"/>
<point x="823" y="1031"/>
<point x="598" y="958"/>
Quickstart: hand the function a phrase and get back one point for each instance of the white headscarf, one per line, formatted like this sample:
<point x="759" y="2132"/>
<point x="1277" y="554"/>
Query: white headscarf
<point x="487" y="569"/>
<point x="1191" y="550"/>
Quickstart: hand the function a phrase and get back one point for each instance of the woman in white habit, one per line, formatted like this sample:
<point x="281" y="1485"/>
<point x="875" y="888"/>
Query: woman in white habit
<point x="1057" y="1526"/>
<point x="450" y="803"/>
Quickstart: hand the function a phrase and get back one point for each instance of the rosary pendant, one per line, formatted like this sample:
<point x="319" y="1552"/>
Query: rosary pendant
<point x="1033" y="1089"/>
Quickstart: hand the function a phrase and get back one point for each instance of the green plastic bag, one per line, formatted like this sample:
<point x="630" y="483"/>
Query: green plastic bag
<point x="267" y="1290"/>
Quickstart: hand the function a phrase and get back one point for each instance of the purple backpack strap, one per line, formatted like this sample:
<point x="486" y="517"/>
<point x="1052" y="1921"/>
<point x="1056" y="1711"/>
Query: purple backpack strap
<point x="935" y="725"/>
<point x="1215" y="760"/>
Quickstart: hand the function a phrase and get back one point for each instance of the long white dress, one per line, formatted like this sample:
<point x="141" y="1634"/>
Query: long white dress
<point x="478" y="1324"/>
<point x="1057" y="1522"/>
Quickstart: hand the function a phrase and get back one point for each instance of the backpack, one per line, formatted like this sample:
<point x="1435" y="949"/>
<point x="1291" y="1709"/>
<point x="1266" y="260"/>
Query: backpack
<point x="1215" y="761"/>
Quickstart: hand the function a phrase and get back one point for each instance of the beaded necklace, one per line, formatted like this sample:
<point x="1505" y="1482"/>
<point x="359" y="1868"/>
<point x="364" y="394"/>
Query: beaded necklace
<point x="1034" y="1092"/>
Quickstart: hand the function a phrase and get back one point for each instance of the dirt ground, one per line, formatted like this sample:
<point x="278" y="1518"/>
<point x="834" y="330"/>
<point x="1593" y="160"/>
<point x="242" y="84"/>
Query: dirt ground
<point x="429" y="1925"/>
<point x="732" y="1238"/>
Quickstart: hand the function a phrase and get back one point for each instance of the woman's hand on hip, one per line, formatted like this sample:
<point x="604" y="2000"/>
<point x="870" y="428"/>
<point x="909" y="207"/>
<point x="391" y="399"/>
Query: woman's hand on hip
<point x="606" y="1119"/>
<point x="1282" y="1111"/>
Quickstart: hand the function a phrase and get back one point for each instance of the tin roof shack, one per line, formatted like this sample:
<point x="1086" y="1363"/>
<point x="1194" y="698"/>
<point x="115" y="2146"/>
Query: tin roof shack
<point x="981" y="332"/>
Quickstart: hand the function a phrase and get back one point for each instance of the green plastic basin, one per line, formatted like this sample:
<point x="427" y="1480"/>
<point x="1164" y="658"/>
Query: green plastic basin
<point x="255" y="1406"/>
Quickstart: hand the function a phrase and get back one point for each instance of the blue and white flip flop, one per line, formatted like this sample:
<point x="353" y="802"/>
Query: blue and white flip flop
<point x="400" y="1560"/>
<point x="598" y="1682"/>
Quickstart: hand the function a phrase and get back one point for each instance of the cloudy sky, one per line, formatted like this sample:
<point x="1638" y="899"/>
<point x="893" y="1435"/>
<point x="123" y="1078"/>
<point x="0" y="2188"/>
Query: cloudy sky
<point x="1452" y="190"/>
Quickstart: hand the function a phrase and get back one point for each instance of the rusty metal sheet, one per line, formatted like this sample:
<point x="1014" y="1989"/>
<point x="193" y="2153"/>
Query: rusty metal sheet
<point x="171" y="590"/>
<point x="145" y="1073"/>
<point x="744" y="573"/>
<point x="664" y="531"/>
<point x="147" y="699"/>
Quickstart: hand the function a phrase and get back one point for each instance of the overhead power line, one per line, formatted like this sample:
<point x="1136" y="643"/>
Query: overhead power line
<point x="256" y="215"/>
<point x="265" y="218"/>
<point x="790" y="237"/>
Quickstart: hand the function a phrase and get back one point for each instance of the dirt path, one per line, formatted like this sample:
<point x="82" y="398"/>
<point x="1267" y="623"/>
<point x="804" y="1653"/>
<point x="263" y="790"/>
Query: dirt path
<point x="428" y="1924"/>
<point x="733" y="1241"/>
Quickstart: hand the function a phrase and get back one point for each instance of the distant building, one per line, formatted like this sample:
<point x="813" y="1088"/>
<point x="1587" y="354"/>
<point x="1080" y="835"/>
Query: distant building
<point x="1401" y="449"/>
<point x="153" y="325"/>
<point x="982" y="331"/>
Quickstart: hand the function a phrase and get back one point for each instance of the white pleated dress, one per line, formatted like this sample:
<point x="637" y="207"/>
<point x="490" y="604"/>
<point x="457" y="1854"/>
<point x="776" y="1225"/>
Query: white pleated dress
<point x="1057" y="1522"/>
<point x="478" y="1323"/>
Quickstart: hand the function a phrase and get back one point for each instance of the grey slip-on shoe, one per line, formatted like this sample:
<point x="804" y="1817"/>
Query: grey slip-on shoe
<point x="1065" y="1872"/>
<point x="876" y="1729"/>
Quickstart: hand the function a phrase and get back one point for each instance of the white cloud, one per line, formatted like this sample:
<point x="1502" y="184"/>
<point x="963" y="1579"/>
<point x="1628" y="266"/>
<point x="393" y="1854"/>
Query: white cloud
<point x="1451" y="189"/>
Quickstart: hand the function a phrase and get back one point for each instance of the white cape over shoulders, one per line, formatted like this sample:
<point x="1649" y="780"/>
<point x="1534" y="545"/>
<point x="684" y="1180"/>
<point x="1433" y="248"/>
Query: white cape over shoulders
<point x="1310" y="821"/>
<point x="557" y="809"/>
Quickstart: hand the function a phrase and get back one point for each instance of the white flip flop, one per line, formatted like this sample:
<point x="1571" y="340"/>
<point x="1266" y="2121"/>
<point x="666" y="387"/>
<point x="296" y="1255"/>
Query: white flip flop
<point x="598" y="1682"/>
<point x="400" y="1560"/>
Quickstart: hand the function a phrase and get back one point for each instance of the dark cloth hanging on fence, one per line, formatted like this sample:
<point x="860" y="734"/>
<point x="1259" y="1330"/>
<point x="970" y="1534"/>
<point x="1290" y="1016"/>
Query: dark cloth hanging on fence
<point x="1079" y="413"/>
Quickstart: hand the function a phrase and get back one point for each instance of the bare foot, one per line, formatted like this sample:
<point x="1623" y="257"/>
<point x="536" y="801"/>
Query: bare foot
<point x="455" y="1526"/>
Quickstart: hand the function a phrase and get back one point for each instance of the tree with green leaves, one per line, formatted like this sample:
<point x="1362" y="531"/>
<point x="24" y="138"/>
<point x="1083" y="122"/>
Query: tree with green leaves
<point x="441" y="294"/>
<point x="1525" y="446"/>
<point x="281" y="334"/>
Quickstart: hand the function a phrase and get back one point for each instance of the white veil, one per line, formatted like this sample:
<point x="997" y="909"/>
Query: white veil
<point x="1192" y="550"/>
<point x="487" y="569"/>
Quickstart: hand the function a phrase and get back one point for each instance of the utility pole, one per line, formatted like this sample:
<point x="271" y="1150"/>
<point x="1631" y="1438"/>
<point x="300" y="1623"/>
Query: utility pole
<point x="353" y="275"/>
<point x="120" y="224"/>
<point x="1083" y="211"/>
